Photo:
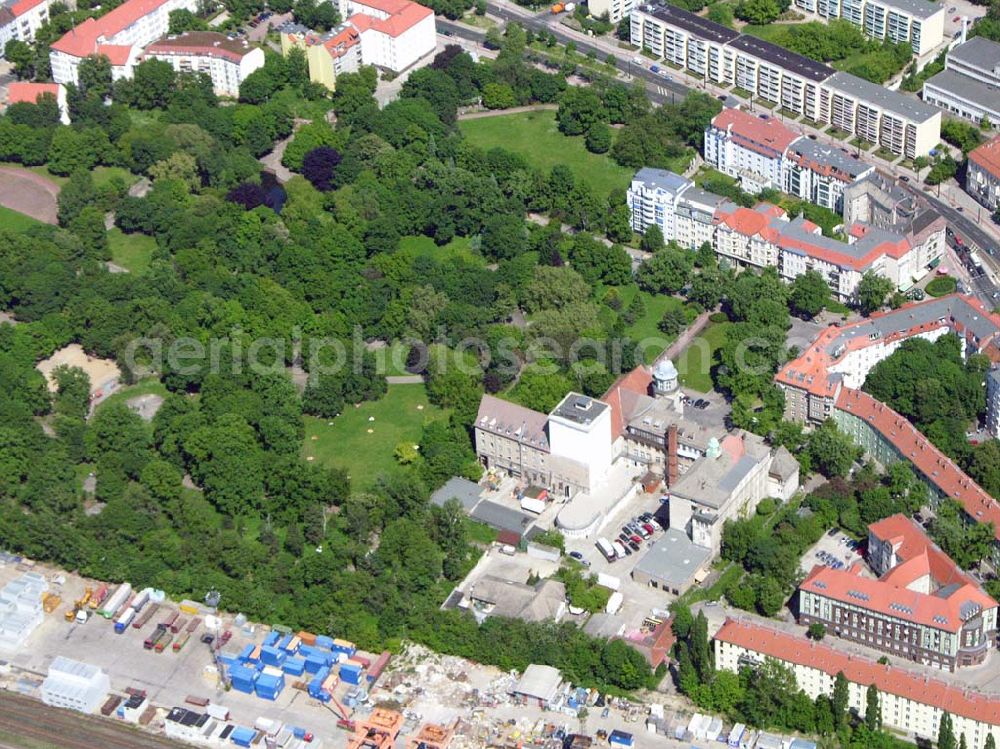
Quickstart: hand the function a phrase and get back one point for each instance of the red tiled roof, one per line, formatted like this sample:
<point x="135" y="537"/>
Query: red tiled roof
<point x="886" y="678"/>
<point x="892" y="599"/>
<point x="402" y="15"/>
<point x="906" y="536"/>
<point x="84" y="38"/>
<point x="339" y="43"/>
<point x="745" y="220"/>
<point x="20" y="92"/>
<point x="987" y="156"/>
<point x="22" y="7"/>
<point x="117" y="54"/>
<point x="636" y="382"/>
<point x="939" y="469"/>
<point x="767" y="137"/>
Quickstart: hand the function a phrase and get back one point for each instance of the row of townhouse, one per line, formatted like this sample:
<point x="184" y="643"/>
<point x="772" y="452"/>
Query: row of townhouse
<point x="915" y="22"/>
<point x="390" y="34"/>
<point x="717" y="54"/>
<point x="909" y="702"/>
<point x="825" y="380"/>
<point x="764" y="236"/>
<point x="21" y="19"/>
<point x="763" y="153"/>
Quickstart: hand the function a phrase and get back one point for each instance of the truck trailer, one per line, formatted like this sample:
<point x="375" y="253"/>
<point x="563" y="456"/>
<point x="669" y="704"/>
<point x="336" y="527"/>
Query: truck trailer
<point x="115" y="601"/>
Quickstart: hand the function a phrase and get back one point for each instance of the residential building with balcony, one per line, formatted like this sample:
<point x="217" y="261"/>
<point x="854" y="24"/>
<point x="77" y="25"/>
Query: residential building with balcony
<point x="226" y="61"/>
<point x="120" y="35"/>
<point x="916" y="22"/>
<point x="922" y="608"/>
<point x="682" y="211"/>
<point x="820" y="173"/>
<point x="982" y="176"/>
<point x="909" y="702"/>
<point x="969" y="86"/>
<point x="750" y="148"/>
<point x="615" y="10"/>
<point x="20" y="19"/>
<point x="328" y="55"/>
<point x="900" y="124"/>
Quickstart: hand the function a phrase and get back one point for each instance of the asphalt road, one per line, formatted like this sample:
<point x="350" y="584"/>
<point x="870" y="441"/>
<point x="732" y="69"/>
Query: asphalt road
<point x="40" y="725"/>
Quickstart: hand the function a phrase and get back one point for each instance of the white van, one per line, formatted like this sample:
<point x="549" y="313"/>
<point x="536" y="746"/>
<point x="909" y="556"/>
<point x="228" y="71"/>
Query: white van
<point x="620" y="549"/>
<point x="605" y="547"/>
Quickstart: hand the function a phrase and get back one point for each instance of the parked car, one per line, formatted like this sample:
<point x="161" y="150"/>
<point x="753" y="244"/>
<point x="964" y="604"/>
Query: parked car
<point x="654" y="68"/>
<point x="635" y="539"/>
<point x="576" y="555"/>
<point x="832" y="532"/>
<point x="634" y="546"/>
<point x="648" y="527"/>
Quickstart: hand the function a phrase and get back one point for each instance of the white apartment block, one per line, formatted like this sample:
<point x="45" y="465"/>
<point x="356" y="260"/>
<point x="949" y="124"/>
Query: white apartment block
<point x="394" y="33"/>
<point x="683" y="212"/>
<point x="910" y="702"/>
<point x="917" y="22"/>
<point x="616" y="10"/>
<point x="898" y="123"/>
<point x="20" y="20"/>
<point x="969" y="86"/>
<point x="119" y="35"/>
<point x="226" y="61"/>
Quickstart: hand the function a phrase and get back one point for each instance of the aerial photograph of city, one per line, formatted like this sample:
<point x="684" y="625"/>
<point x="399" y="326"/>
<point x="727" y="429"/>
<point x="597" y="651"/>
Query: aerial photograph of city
<point x="453" y="374"/>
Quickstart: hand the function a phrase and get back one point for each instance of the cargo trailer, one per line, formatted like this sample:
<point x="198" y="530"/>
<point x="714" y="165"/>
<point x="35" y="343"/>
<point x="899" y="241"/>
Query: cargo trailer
<point x="99" y="595"/>
<point x="178" y="624"/>
<point x="181" y="641"/>
<point x="141" y="599"/>
<point x="193" y="625"/>
<point x="115" y="601"/>
<point x="169" y="621"/>
<point x="150" y="642"/>
<point x="147" y="613"/>
<point x="111" y="705"/>
<point x="163" y="642"/>
<point x="199" y="701"/>
<point x="121" y="624"/>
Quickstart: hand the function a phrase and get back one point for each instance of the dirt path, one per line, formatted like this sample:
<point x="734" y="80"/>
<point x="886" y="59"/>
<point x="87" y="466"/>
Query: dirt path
<point x="29" y="193"/>
<point x="478" y="115"/>
<point x="685" y="338"/>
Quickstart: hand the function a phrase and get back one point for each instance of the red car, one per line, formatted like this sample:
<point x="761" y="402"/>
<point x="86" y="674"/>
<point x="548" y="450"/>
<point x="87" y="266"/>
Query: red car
<point x="226" y="636"/>
<point x="956" y="19"/>
<point x="636" y="539"/>
<point x="648" y="528"/>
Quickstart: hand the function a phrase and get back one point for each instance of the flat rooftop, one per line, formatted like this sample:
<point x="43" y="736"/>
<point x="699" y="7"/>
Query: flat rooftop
<point x="691" y="23"/>
<point x="783" y="58"/>
<point x="891" y="101"/>
<point x="837" y="159"/>
<point x="916" y="8"/>
<point x="674" y="559"/>
<point x="967" y="89"/>
<point x="580" y="409"/>
<point x="978" y="52"/>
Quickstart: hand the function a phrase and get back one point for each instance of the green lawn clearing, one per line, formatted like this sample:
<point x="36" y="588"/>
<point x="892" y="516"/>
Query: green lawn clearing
<point x="646" y="328"/>
<point x="695" y="362"/>
<point x="131" y="251"/>
<point x="102" y="175"/>
<point x="941" y="286"/>
<point x="151" y="386"/>
<point x="365" y="448"/>
<point x="536" y="136"/>
<point x="459" y="247"/>
<point x="15" y="221"/>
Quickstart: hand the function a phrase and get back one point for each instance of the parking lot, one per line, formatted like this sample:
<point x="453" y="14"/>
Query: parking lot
<point x="832" y="551"/>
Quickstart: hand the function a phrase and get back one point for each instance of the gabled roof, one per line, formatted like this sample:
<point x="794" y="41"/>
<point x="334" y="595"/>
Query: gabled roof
<point x="84" y="38"/>
<point x="19" y="92"/>
<point x="622" y="395"/>
<point x="886" y="678"/>
<point x="987" y="157"/>
<point x="402" y="15"/>
<point x="203" y="43"/>
<point x="512" y="421"/>
<point x="768" y="137"/>
<point x="23" y="6"/>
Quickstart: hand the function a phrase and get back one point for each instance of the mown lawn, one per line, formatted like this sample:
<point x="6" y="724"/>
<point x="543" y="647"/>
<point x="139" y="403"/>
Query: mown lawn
<point x="459" y="247"/>
<point x="151" y="386"/>
<point x="132" y="251"/>
<point x="695" y="362"/>
<point x="646" y="328"/>
<point x="346" y="442"/>
<point x="15" y="221"/>
<point x="536" y="136"/>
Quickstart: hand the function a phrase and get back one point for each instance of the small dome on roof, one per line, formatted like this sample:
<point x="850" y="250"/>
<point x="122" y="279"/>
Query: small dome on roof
<point x="665" y="370"/>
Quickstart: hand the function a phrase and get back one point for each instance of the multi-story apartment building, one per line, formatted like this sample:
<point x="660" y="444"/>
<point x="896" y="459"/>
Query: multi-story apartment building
<point x="876" y="199"/>
<point x="982" y="176"/>
<point x="820" y="174"/>
<point x="20" y="19"/>
<point x="328" y="55"/>
<point x="766" y="71"/>
<point x="823" y="383"/>
<point x="764" y="236"/>
<point x="763" y="153"/>
<point x="616" y="10"/>
<point x="920" y="24"/>
<point x="119" y="35"/>
<point x="909" y="702"/>
<point x="750" y="148"/>
<point x="993" y="403"/>
<point x="969" y="86"/>
<point x="226" y="61"/>
<point x="923" y="608"/>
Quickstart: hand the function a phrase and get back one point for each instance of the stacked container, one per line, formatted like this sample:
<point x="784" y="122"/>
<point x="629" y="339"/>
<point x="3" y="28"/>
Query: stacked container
<point x="242" y="678"/>
<point x="350" y="672"/>
<point x="294" y="666"/>
<point x="268" y="685"/>
<point x="316" y="690"/>
<point x="272" y="656"/>
<point x="343" y="646"/>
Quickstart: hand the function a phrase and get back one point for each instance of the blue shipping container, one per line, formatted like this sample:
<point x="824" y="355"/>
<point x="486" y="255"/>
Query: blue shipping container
<point x="243" y="736"/>
<point x="315" y="663"/>
<point x="271" y="639"/>
<point x="294" y="666"/>
<point x="621" y="738"/>
<point x="245" y="653"/>
<point x="285" y="642"/>
<point x="322" y="641"/>
<point x="350" y="677"/>
<point x="272" y="656"/>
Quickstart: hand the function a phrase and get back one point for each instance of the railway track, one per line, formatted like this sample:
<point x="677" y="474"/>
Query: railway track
<point x="40" y="725"/>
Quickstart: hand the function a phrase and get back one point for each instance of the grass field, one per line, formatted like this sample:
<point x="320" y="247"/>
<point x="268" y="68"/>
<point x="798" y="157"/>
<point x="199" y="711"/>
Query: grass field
<point x="150" y="386"/>
<point x="15" y="221"/>
<point x="345" y="442"/>
<point x="646" y="327"/>
<point x="459" y="247"/>
<point x="100" y="174"/>
<point x="132" y="251"/>
<point x="536" y="136"/>
<point x="695" y="362"/>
